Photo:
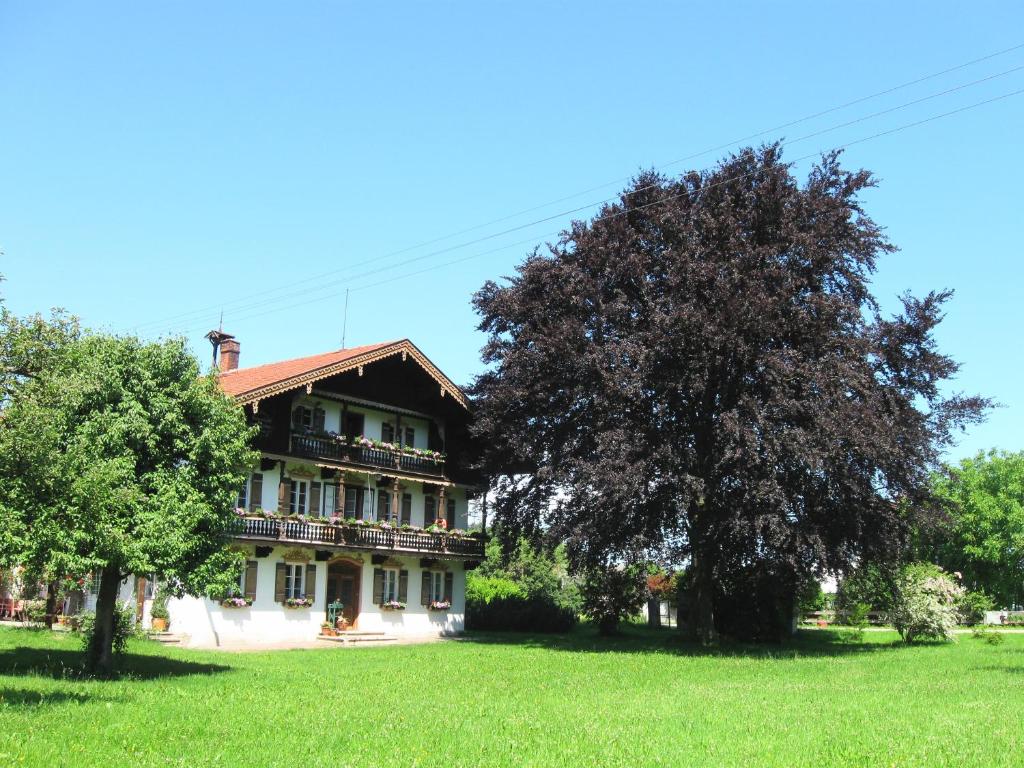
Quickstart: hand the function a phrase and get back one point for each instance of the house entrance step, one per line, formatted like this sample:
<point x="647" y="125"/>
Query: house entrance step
<point x="166" y="638"/>
<point x="347" y="638"/>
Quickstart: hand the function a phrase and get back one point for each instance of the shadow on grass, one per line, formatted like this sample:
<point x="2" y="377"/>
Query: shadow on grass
<point x="635" y="639"/>
<point x="66" y="664"/>
<point x="17" y="697"/>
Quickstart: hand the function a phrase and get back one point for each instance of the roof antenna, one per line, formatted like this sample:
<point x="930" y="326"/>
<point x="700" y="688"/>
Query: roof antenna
<point x="344" y="321"/>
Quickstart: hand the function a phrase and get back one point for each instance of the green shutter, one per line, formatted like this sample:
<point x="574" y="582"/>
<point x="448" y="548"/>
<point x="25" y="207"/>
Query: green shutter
<point x="403" y="586"/>
<point x="279" y="578"/>
<point x="451" y="514"/>
<point x="378" y="585"/>
<point x="283" y="492"/>
<point x="425" y="589"/>
<point x="256" y="491"/>
<point x="318" y="419"/>
<point x="314" y="499"/>
<point x="339" y="499"/>
<point x="449" y="586"/>
<point x="311" y="581"/>
<point x="406" y="509"/>
<point x="250" y="579"/>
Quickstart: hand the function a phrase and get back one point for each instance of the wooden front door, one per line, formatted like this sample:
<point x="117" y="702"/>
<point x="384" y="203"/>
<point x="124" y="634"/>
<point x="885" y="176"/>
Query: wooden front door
<point x="343" y="585"/>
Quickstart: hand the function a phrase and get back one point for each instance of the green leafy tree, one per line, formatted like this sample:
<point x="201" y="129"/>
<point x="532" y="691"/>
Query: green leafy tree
<point x="116" y="456"/>
<point x="612" y="593"/>
<point x="984" y="539"/>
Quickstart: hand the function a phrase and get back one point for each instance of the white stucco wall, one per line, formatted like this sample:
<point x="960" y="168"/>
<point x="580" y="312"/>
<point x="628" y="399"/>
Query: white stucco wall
<point x="208" y="624"/>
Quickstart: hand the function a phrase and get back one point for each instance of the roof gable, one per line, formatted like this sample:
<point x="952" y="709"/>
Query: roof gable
<point x="253" y="384"/>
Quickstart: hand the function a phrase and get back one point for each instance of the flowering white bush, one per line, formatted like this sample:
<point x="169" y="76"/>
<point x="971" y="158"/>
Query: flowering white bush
<point x="925" y="603"/>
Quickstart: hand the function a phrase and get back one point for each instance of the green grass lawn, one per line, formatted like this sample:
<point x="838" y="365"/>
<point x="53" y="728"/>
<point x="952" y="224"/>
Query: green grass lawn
<point x="644" y="699"/>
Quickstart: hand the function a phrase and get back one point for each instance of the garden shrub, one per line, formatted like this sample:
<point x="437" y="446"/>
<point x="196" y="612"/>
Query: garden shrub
<point x="35" y="611"/>
<point x="612" y="593"/>
<point x="972" y="607"/>
<point x="925" y="603"/>
<point x="124" y="627"/>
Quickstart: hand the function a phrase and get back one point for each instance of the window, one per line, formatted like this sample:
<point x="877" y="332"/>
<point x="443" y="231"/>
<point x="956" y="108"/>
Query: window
<point x="293" y="580"/>
<point x="302" y="418"/>
<point x="387" y="432"/>
<point x="429" y="510"/>
<point x="390" y="585"/>
<point x="354" y="502"/>
<point x="353" y="425"/>
<point x="451" y="514"/>
<point x="330" y="490"/>
<point x="297" y="499"/>
<point x="436" y="580"/>
<point x="406" y="509"/>
<point x="251" y="494"/>
<point x="383" y="504"/>
<point x="410" y="437"/>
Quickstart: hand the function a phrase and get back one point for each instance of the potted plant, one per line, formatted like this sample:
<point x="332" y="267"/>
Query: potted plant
<point x="439" y="605"/>
<point x="236" y="601"/>
<point x="159" y="616"/>
<point x="298" y="602"/>
<point x="392" y="605"/>
<point x="326" y="629"/>
<point x="341" y="624"/>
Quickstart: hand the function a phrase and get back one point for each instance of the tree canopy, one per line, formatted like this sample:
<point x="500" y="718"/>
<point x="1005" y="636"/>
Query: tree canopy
<point x="703" y="367"/>
<point x="116" y="456"/>
<point x="984" y="537"/>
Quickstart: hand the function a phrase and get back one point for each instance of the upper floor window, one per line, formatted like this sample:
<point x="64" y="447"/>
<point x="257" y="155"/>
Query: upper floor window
<point x="410" y="437"/>
<point x="387" y="432"/>
<point x="429" y="510"/>
<point x="383" y="504"/>
<point x="302" y="417"/>
<point x="297" y="499"/>
<point x="406" y="509"/>
<point x="450" y="514"/>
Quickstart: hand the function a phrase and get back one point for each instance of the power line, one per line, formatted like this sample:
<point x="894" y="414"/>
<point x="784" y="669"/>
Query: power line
<point x="327" y="286"/>
<point x="534" y="239"/>
<point x="242" y="304"/>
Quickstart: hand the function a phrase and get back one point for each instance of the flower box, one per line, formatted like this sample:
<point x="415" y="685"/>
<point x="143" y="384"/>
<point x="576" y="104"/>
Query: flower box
<point x="298" y="602"/>
<point x="392" y="605"/>
<point x="439" y="605"/>
<point x="236" y="602"/>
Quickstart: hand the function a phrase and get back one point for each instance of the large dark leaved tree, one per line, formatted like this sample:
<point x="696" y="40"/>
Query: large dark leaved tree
<point x="703" y="367"/>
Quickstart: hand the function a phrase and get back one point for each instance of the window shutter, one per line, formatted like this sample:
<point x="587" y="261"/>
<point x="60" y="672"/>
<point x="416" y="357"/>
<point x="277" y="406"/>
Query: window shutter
<point x="318" y="419"/>
<point x="451" y="514"/>
<point x="250" y="579"/>
<point x="378" y="585"/>
<point x="339" y="499"/>
<point x="403" y="586"/>
<point x="256" y="491"/>
<point x="311" y="581"/>
<point x="429" y="510"/>
<point x="449" y="586"/>
<point x="406" y="509"/>
<point x="360" y="502"/>
<point x="425" y="589"/>
<point x="314" y="498"/>
<point x="283" y="491"/>
<point x="279" y="582"/>
<point x="297" y="418"/>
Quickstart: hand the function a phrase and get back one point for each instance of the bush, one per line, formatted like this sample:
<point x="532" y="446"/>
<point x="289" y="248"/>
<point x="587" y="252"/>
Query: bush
<point x="159" y="609"/>
<point x="612" y="593"/>
<point x="870" y="584"/>
<point x="35" y="611"/>
<point x="518" y="613"/>
<point x="925" y="603"/>
<point x="972" y="606"/>
<point x="484" y="589"/>
<point x="124" y="628"/>
<point x="856" y="619"/>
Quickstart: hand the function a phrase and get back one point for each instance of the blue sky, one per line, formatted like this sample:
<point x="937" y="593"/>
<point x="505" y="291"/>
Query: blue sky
<point x="161" y="162"/>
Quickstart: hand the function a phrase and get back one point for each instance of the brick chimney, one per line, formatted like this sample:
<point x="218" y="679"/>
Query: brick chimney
<point x="229" y="350"/>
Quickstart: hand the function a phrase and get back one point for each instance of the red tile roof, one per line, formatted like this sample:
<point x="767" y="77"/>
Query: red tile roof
<point x="264" y="380"/>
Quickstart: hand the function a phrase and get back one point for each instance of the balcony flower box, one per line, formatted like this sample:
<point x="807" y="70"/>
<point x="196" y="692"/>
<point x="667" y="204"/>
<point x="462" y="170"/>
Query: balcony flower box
<point x="392" y="605"/>
<point x="298" y="602"/>
<point x="439" y="605"/>
<point x="236" y="602"/>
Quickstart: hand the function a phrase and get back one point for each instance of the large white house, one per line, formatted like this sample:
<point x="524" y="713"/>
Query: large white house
<point x="358" y="507"/>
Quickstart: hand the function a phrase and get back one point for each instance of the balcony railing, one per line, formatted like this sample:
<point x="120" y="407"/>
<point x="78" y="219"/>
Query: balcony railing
<point x="359" y="537"/>
<point x="316" y="447"/>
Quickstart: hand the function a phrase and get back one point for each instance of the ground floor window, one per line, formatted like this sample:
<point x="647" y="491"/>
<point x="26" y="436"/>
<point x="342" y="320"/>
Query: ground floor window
<point x="293" y="580"/>
<point x="390" y="584"/>
<point x="437" y="588"/>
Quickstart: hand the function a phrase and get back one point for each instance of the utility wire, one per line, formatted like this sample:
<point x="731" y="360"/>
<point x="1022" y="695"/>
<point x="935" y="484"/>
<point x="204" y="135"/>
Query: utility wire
<point x="244" y="302"/>
<point x="309" y="294"/>
<point x="625" y="211"/>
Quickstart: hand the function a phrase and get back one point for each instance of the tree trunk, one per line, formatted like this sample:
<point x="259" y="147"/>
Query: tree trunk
<point x="51" y="603"/>
<point x="100" y="655"/>
<point x="702" y="606"/>
<point x="654" y="612"/>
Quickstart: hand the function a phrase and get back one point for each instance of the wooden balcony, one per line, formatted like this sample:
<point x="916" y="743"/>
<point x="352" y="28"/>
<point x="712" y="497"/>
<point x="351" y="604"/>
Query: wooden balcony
<point x="365" y="537"/>
<point x="317" y="447"/>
